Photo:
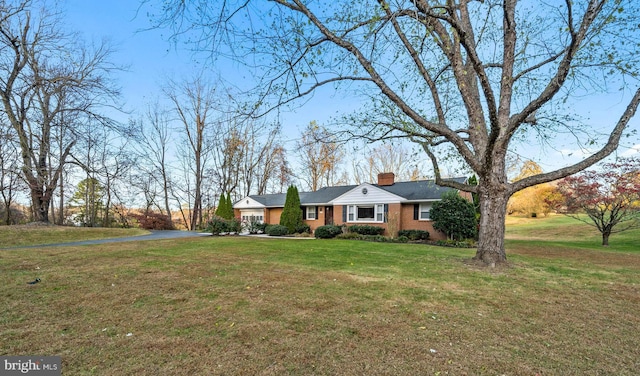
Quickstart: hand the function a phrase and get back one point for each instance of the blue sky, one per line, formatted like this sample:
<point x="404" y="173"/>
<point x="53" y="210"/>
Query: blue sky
<point x="150" y="58"/>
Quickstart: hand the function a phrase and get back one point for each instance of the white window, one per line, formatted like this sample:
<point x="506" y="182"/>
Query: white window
<point x="365" y="213"/>
<point x="425" y="212"/>
<point x="311" y="212"/>
<point x="379" y="213"/>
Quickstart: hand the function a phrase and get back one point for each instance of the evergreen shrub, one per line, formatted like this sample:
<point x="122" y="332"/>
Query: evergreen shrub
<point x="366" y="230"/>
<point x="414" y="235"/>
<point x="276" y="230"/>
<point x="327" y="232"/>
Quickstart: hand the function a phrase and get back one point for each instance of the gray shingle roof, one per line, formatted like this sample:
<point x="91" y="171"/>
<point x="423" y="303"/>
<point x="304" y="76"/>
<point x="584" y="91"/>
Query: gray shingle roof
<point x="409" y="190"/>
<point x="419" y="190"/>
<point x="324" y="195"/>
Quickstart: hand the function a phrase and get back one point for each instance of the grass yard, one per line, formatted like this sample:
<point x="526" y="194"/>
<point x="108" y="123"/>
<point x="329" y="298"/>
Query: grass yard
<point x="26" y="235"/>
<point x="249" y="306"/>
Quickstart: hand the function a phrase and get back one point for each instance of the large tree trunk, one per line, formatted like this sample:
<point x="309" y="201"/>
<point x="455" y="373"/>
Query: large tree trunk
<point x="39" y="206"/>
<point x="493" y="212"/>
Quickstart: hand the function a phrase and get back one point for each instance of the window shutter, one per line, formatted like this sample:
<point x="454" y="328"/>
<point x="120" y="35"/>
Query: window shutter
<point x="344" y="213"/>
<point x="416" y="212"/>
<point x="304" y="212"/>
<point x="386" y="213"/>
<point x="317" y="213"/>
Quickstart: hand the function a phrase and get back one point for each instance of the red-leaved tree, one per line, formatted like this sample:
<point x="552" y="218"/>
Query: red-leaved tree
<point x="610" y="197"/>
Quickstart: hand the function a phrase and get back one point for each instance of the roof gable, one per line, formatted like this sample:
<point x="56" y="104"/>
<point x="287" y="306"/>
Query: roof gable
<point x="367" y="194"/>
<point x="250" y="202"/>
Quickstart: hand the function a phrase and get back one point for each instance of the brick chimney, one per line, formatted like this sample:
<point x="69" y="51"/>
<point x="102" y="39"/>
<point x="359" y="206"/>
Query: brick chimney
<point x="386" y="178"/>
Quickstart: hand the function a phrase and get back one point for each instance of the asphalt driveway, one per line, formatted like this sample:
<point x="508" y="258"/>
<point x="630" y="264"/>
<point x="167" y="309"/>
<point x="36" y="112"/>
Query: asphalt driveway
<point x="154" y="235"/>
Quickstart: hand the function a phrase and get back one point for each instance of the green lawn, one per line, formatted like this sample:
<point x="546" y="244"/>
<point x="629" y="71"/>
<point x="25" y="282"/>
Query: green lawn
<point x="247" y="306"/>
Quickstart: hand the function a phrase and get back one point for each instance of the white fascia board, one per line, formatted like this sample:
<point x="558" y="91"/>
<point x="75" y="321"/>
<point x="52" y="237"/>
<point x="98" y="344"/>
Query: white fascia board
<point x="248" y="203"/>
<point x="367" y="194"/>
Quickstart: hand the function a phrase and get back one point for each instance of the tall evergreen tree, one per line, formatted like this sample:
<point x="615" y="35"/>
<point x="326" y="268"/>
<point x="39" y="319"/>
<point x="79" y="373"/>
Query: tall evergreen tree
<point x="292" y="212"/>
<point x="222" y="203"/>
<point x="228" y="207"/>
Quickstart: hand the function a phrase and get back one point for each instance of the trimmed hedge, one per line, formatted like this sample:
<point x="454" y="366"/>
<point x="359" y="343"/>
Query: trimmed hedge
<point x="277" y="230"/>
<point x="414" y="234"/>
<point x="370" y="238"/>
<point x="303" y="229"/>
<point x="327" y="232"/>
<point x="366" y="230"/>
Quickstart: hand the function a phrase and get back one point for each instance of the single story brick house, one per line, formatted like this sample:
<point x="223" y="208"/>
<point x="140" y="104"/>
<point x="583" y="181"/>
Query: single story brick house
<point x="389" y="204"/>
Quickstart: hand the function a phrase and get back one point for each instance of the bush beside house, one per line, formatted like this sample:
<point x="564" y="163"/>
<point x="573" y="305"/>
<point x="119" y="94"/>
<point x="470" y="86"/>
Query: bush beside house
<point x="327" y="232"/>
<point x="455" y="216"/>
<point x="366" y="229"/>
<point x="276" y="230"/>
<point x="218" y="225"/>
<point x="414" y="235"/>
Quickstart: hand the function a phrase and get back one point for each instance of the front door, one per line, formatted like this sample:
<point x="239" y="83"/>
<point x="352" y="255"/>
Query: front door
<point x="328" y="215"/>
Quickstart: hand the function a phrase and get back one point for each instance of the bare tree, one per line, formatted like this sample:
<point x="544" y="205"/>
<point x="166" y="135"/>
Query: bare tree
<point x="261" y="156"/>
<point x="473" y="77"/>
<point x="273" y="171"/>
<point x="115" y="161"/>
<point x="45" y="74"/>
<point x="193" y="103"/>
<point x="10" y="182"/>
<point x="384" y="158"/>
<point x="319" y="155"/>
<point x="153" y="135"/>
<point x="230" y="151"/>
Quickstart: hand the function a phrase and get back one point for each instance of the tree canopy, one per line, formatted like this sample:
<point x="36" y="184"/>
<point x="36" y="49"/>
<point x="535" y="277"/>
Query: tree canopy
<point x="52" y="85"/>
<point x="610" y="197"/>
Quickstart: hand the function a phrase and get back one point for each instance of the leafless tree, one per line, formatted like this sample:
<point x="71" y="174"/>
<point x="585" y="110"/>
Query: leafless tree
<point x="273" y="173"/>
<point x="320" y="156"/>
<point x="153" y="142"/>
<point x="10" y="182"/>
<point x="193" y="102"/>
<point x="384" y="158"/>
<point x="46" y="73"/>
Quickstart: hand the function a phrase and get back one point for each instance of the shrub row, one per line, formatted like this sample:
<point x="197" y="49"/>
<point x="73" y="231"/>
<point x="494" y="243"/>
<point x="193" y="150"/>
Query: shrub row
<point x="414" y="235"/>
<point x="280" y="230"/>
<point x="370" y="238"/>
<point x="276" y="230"/>
<point x="366" y="230"/>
